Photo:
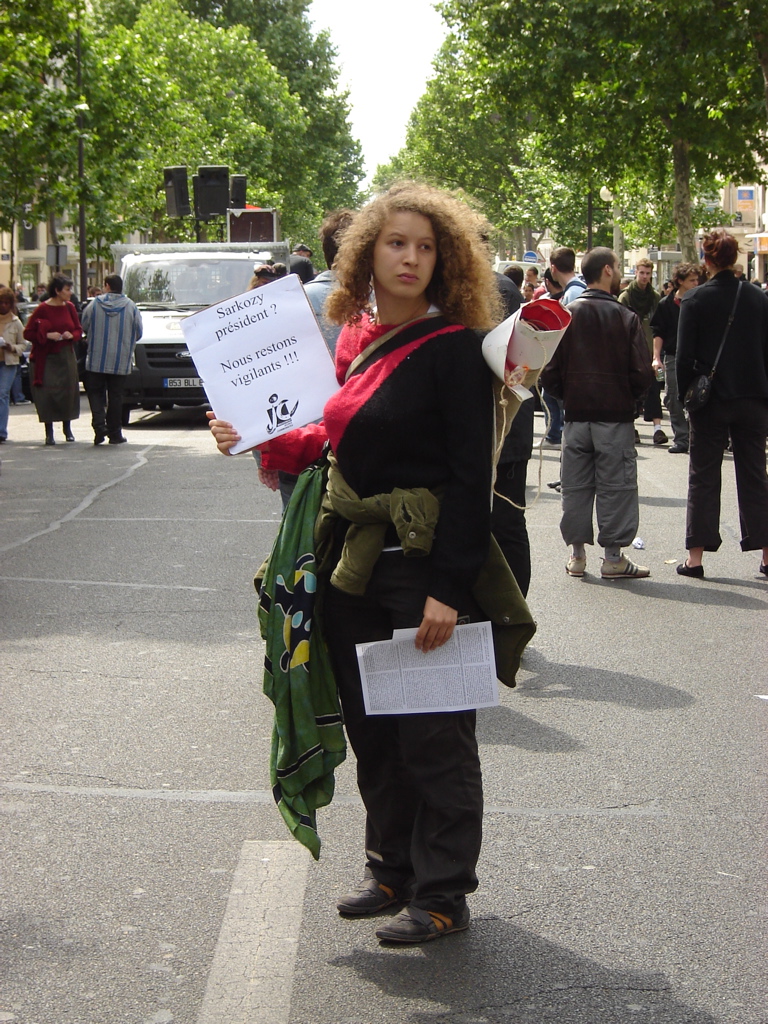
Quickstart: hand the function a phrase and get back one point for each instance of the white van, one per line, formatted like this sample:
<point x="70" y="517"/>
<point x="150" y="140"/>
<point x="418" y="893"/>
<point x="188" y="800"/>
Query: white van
<point x="167" y="283"/>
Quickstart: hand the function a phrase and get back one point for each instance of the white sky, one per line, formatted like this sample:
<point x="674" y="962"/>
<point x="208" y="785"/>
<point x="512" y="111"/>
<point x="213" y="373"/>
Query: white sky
<point x="385" y="52"/>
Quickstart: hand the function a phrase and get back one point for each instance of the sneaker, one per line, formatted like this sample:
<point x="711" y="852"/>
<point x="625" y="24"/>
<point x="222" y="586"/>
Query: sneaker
<point x="417" y="925"/>
<point x="659" y="437"/>
<point x="370" y="897"/>
<point x="678" y="449"/>
<point x="576" y="566"/>
<point x="546" y="445"/>
<point x="623" y="570"/>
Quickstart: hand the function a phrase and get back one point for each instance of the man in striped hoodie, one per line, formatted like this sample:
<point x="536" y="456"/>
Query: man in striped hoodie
<point x="112" y="323"/>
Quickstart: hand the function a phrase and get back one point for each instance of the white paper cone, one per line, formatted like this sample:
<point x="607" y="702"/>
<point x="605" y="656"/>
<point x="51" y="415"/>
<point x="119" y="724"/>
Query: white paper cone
<point x="520" y="344"/>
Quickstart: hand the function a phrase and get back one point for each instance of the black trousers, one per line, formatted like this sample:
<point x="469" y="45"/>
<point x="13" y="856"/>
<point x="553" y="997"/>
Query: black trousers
<point x="419" y="775"/>
<point x="746" y="419"/>
<point x="105" y="396"/>
<point x="508" y="523"/>
<point x="652" y="404"/>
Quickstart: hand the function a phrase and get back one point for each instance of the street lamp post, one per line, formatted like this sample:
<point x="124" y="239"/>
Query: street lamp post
<point x="81" y="178"/>
<point x="618" y="235"/>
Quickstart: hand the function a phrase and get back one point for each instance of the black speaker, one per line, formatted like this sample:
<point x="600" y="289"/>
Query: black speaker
<point x="212" y="196"/>
<point x="176" y="191"/>
<point x="237" y="185"/>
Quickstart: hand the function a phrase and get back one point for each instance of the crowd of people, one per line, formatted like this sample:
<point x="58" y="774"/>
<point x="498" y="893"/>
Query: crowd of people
<point x="65" y="341"/>
<point x="411" y="288"/>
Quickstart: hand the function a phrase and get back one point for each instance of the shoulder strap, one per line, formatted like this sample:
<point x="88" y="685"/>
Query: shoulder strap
<point x="403" y="333"/>
<point x="727" y="328"/>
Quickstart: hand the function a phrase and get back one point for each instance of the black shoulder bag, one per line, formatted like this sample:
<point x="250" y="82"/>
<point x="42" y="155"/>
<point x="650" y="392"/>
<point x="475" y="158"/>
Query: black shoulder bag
<point x="698" y="393"/>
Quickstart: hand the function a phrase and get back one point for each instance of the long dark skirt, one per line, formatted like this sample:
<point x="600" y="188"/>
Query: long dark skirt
<point x="58" y="399"/>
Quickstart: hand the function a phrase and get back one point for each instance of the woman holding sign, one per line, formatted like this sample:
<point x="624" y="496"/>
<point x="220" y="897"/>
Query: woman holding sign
<point x="415" y="412"/>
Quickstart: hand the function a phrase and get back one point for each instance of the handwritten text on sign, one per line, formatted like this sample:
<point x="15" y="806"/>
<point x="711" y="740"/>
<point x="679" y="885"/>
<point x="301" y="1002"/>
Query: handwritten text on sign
<point x="264" y="363"/>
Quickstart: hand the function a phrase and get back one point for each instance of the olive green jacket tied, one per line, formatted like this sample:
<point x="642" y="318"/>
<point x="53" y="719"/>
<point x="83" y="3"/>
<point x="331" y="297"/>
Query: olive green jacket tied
<point x="414" y="513"/>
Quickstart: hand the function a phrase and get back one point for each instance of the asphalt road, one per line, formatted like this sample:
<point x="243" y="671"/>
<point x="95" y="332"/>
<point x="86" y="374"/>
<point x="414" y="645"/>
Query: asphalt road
<point x="623" y="874"/>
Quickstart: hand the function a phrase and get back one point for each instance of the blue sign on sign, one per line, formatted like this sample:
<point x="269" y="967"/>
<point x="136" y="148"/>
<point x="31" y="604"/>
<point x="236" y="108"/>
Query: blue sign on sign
<point x="530" y="257"/>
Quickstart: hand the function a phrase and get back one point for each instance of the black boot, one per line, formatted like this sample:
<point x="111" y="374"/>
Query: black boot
<point x="49" y="434"/>
<point x="68" y="431"/>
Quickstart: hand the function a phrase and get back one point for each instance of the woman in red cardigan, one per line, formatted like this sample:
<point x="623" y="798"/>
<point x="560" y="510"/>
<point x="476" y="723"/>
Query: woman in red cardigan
<point x="53" y="329"/>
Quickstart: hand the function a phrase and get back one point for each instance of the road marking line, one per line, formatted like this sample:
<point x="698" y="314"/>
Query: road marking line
<point x="87" y="501"/>
<point x="265" y="796"/>
<point x="198" y="796"/>
<point x="251" y="978"/>
<point x="173" y="519"/>
<point x="106" y="583"/>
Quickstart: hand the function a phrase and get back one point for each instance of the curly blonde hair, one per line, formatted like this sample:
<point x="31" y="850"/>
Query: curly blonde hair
<point x="463" y="286"/>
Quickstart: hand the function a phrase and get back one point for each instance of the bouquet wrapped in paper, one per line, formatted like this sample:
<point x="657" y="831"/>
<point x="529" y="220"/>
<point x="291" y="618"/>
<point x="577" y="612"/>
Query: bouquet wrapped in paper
<point x="525" y="341"/>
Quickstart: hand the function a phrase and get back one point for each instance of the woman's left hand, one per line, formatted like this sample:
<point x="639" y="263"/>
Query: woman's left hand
<point x="223" y="432"/>
<point x="437" y="626"/>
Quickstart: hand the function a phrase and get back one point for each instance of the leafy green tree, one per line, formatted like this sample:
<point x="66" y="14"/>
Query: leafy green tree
<point x="173" y="90"/>
<point x="682" y="76"/>
<point x="37" y="129"/>
<point x="329" y="166"/>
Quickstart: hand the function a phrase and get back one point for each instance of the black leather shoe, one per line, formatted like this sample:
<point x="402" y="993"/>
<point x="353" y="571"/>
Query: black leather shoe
<point x="678" y="449"/>
<point x="696" y="571"/>
<point x="69" y="437"/>
<point x="370" y="897"/>
<point x="99" y="438"/>
<point x="763" y="569"/>
<point x="118" y="440"/>
<point x="49" y="440"/>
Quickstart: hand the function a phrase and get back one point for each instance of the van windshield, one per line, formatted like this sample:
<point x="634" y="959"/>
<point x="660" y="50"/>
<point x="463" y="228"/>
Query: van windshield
<point x="193" y="282"/>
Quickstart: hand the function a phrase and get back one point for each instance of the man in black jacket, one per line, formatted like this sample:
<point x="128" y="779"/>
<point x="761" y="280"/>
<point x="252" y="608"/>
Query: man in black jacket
<point x="600" y="369"/>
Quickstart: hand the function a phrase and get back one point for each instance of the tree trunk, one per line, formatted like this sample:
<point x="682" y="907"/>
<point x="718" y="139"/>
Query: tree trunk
<point x="682" y="208"/>
<point x="11" y="281"/>
<point x="761" y="45"/>
<point x="519" y="242"/>
<point x="757" y="19"/>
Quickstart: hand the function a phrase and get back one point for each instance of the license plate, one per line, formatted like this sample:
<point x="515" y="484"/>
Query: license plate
<point x="182" y="382"/>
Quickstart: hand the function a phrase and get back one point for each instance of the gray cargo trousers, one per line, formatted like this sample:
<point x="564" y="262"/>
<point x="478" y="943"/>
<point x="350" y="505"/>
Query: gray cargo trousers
<point x="599" y="468"/>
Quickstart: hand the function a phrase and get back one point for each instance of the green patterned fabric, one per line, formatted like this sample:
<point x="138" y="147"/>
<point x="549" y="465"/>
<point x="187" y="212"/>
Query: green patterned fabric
<point x="307" y="737"/>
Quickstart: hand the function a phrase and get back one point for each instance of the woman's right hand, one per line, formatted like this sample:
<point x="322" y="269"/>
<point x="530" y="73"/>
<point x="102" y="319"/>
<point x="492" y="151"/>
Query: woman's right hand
<point x="224" y="433"/>
<point x="270" y="478"/>
<point x="54" y="336"/>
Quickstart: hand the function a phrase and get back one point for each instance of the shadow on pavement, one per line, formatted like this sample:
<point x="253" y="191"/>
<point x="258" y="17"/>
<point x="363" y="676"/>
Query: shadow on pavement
<point x="498" y="973"/>
<point x="691" y="592"/>
<point x="163" y="419"/>
<point x="501" y="726"/>
<point x="584" y="682"/>
<point x="658" y="502"/>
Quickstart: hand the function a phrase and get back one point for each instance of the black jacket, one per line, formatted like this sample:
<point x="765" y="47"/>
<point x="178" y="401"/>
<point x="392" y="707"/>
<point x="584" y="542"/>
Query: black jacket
<point x="511" y="295"/>
<point x="742" y="371"/>
<point x="664" y="324"/>
<point x="602" y="365"/>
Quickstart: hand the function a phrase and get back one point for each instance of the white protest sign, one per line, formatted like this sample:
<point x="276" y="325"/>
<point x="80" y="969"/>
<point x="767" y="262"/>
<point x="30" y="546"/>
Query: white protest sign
<point x="264" y="364"/>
